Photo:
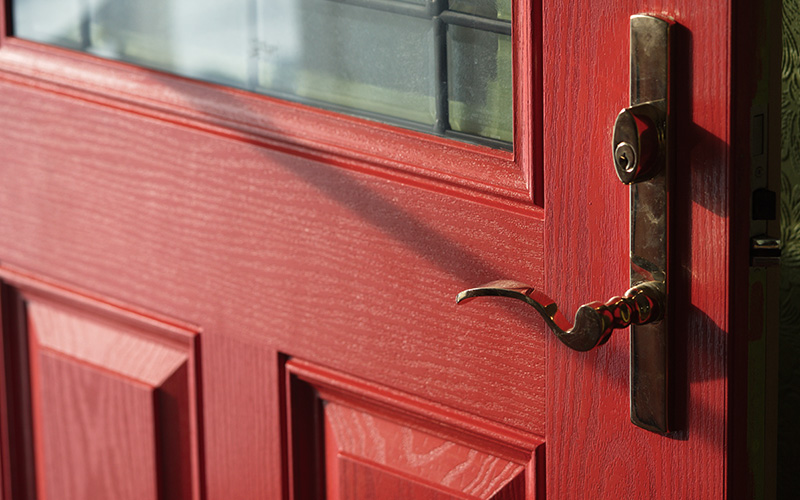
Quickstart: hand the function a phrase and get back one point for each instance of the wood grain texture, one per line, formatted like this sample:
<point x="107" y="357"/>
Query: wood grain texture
<point x="527" y="95"/>
<point x="102" y="343"/>
<point x="591" y="445"/>
<point x="283" y="229"/>
<point x="97" y="434"/>
<point x="382" y="444"/>
<point x="243" y="444"/>
<point x="114" y="397"/>
<point x="414" y="454"/>
<point x="264" y="247"/>
<point x="298" y="202"/>
<point x="365" y="480"/>
<point x="472" y="171"/>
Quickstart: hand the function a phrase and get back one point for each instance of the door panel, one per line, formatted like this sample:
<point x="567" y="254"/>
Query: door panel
<point x="370" y="441"/>
<point x="113" y="397"/>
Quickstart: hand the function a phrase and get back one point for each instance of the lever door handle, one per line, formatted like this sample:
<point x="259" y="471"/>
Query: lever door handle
<point x="641" y="150"/>
<point x="594" y="322"/>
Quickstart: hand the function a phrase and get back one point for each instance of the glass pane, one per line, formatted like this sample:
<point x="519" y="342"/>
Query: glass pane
<point x="493" y="9"/>
<point x="348" y="55"/>
<point x="62" y="24"/>
<point x="374" y="58"/>
<point x="203" y="39"/>
<point x="479" y="82"/>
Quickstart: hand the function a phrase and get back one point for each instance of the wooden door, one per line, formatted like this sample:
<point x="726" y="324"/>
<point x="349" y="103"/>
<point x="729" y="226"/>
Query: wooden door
<point x="211" y="294"/>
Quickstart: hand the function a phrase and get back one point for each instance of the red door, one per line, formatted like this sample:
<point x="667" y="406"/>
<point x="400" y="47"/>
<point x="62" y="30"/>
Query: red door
<point x="211" y="294"/>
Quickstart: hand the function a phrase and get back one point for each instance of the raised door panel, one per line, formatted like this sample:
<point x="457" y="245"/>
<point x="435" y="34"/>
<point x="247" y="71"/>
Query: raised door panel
<point x="369" y="456"/>
<point x="351" y="439"/>
<point x="97" y="433"/>
<point x="112" y="397"/>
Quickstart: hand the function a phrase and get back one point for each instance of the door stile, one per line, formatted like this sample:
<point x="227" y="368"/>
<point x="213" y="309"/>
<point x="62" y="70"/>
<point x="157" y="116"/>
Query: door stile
<point x="588" y="246"/>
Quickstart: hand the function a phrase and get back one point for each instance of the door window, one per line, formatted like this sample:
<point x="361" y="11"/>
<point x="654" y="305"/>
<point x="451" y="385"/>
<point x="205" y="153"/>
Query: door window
<point x="428" y="66"/>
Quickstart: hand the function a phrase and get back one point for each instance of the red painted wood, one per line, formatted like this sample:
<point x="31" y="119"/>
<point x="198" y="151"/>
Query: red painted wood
<point x="382" y="443"/>
<point x="527" y="71"/>
<point x="97" y="434"/>
<point x="5" y="402"/>
<point x="289" y="232"/>
<point x="243" y="451"/>
<point x="364" y="480"/>
<point x="473" y="171"/>
<point x="591" y="447"/>
<point x="414" y="454"/>
<point x="175" y="438"/>
<point x="114" y="404"/>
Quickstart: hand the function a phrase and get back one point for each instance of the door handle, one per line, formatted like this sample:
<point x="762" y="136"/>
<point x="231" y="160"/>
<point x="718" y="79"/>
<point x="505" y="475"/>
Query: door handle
<point x="641" y="158"/>
<point x="594" y="322"/>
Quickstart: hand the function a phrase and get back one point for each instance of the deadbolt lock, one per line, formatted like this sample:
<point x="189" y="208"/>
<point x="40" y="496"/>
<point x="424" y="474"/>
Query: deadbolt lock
<point x="640" y="141"/>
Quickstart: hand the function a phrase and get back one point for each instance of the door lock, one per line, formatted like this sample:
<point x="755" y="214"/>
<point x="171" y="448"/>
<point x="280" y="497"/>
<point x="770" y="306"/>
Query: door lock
<point x="641" y="157"/>
<point x="640" y="141"/>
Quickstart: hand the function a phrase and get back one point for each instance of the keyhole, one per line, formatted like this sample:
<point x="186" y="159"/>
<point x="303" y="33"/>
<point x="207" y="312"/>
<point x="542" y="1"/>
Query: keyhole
<point x="623" y="160"/>
<point x="625" y="157"/>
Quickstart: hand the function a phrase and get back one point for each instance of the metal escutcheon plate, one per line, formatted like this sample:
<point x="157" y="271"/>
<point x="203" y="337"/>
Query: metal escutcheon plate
<point x="649" y="344"/>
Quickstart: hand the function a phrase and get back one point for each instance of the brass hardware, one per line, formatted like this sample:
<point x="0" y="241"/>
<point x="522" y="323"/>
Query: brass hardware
<point x="640" y="142"/>
<point x="641" y="157"/>
<point x="594" y="322"/>
<point x="649" y="230"/>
